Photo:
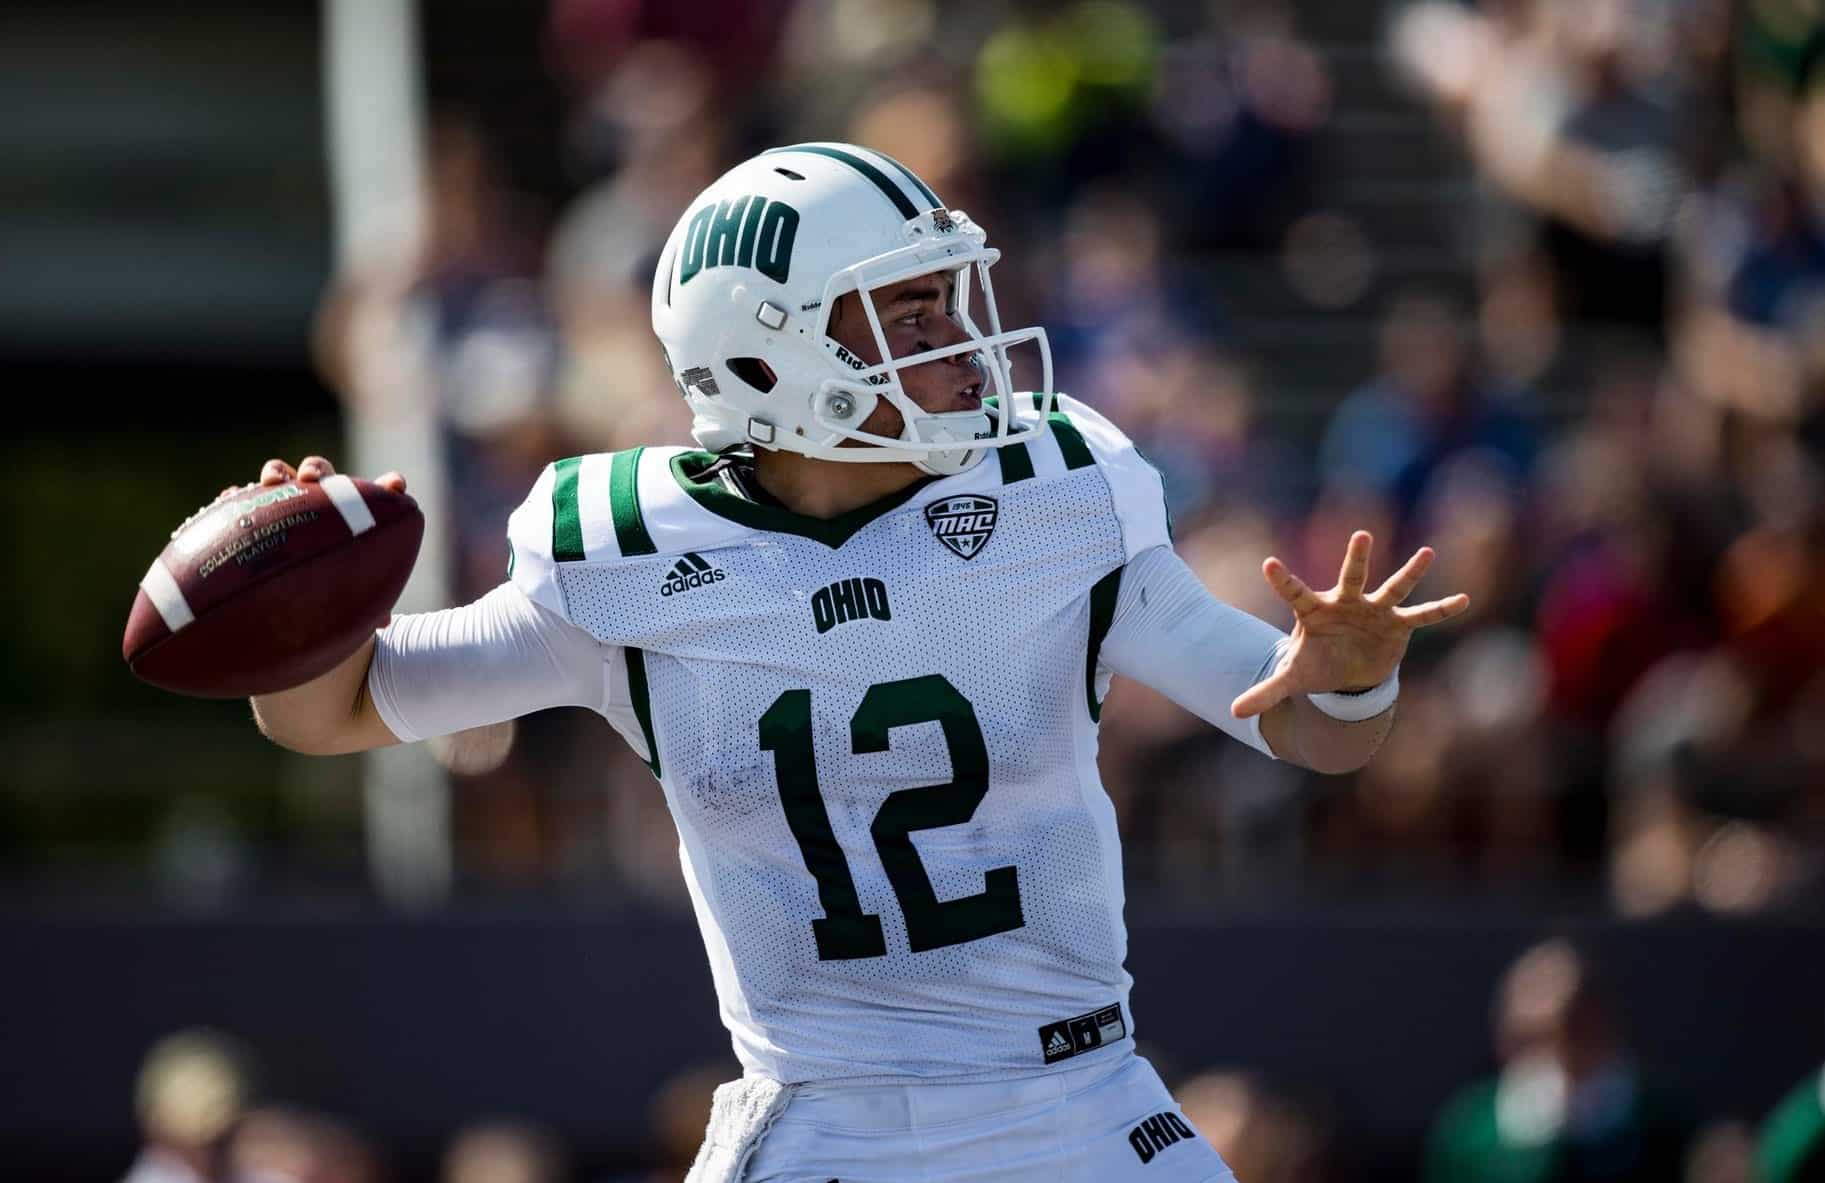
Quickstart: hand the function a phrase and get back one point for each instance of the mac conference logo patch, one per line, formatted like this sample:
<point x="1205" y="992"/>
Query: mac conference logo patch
<point x="963" y="523"/>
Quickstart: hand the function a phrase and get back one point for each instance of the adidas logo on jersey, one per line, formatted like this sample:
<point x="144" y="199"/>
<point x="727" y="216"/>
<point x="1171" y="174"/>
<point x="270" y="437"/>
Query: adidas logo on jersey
<point x="692" y="571"/>
<point x="1073" y="1037"/>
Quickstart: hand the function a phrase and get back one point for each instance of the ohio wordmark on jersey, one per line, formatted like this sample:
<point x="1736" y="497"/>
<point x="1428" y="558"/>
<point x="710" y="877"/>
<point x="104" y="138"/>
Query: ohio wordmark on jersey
<point x="877" y="737"/>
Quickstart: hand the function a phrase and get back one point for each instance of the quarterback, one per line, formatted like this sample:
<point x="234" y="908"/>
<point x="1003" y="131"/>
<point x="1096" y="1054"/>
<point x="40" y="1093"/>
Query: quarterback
<point x="862" y="636"/>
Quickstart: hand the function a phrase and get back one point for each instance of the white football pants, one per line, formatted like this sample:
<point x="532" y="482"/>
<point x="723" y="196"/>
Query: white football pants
<point x="1101" y="1123"/>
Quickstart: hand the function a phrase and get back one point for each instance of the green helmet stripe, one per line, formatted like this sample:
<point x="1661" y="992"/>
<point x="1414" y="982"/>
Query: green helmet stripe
<point x="880" y="179"/>
<point x="912" y="176"/>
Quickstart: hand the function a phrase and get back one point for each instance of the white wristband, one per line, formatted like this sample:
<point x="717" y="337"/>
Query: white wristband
<point x="1354" y="708"/>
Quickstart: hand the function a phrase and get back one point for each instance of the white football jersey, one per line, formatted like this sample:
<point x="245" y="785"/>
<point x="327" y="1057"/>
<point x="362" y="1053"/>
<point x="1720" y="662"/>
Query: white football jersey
<point x="877" y="734"/>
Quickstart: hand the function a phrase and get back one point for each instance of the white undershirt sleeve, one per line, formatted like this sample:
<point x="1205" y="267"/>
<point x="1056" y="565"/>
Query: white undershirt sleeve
<point x="1173" y="635"/>
<point x="503" y="656"/>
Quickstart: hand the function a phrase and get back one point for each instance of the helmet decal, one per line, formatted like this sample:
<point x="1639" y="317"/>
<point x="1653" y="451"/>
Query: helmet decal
<point x="702" y="377"/>
<point x="741" y="232"/>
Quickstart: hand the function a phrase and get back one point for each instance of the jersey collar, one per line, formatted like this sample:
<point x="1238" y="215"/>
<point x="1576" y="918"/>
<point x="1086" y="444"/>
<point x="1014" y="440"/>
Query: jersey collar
<point x="715" y="496"/>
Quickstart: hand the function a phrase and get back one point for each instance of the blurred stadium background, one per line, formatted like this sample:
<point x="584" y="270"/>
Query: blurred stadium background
<point x="1538" y="282"/>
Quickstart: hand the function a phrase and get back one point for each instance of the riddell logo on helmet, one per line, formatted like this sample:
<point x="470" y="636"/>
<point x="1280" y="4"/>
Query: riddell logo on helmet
<point x="740" y="232"/>
<point x="855" y="363"/>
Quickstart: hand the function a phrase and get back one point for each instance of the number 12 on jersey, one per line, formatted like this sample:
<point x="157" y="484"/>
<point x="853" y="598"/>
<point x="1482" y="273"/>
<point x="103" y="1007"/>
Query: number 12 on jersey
<point x="846" y="932"/>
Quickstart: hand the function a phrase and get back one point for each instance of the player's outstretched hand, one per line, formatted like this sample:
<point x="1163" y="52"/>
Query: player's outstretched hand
<point x="1343" y="639"/>
<point x="314" y="468"/>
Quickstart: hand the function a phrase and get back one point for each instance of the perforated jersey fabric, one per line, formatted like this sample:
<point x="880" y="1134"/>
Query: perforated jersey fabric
<point x="879" y="748"/>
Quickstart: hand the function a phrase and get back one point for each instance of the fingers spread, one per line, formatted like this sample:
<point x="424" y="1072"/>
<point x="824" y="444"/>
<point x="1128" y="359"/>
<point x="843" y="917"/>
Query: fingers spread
<point x="1355" y="571"/>
<point x="1421" y="615"/>
<point x="1401" y="584"/>
<point x="1288" y="586"/>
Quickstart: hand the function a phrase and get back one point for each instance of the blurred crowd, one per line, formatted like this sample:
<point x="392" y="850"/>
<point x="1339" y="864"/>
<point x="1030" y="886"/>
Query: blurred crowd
<point x="1568" y="1102"/>
<point x="1593" y="385"/>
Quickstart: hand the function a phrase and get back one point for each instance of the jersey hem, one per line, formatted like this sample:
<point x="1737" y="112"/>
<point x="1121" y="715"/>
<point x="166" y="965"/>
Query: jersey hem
<point x="1125" y="1047"/>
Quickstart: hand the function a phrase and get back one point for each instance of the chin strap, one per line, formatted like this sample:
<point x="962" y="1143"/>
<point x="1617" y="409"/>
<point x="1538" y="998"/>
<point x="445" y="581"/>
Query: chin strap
<point x="957" y="426"/>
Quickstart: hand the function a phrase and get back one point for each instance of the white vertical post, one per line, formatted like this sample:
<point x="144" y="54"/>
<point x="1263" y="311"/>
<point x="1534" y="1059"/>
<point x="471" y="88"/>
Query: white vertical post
<point x="374" y="108"/>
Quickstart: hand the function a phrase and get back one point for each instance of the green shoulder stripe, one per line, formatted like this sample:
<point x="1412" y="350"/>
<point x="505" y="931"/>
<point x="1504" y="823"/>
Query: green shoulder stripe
<point x="1071" y="443"/>
<point x="624" y="504"/>
<point x="1016" y="463"/>
<point x="1102" y="614"/>
<point x="643" y="703"/>
<point x="566" y="519"/>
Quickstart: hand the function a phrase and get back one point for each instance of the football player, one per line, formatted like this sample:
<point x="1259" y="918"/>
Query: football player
<point x="862" y="637"/>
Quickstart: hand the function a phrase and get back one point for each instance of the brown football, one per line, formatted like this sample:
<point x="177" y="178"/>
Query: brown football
<point x="271" y="586"/>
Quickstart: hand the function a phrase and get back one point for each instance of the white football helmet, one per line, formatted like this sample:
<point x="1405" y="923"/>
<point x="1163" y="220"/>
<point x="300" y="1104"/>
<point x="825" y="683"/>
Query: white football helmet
<point x="751" y="273"/>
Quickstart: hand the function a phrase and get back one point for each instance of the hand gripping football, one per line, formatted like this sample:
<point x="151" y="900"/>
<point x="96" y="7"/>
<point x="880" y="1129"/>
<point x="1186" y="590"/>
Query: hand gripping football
<point x="271" y="586"/>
